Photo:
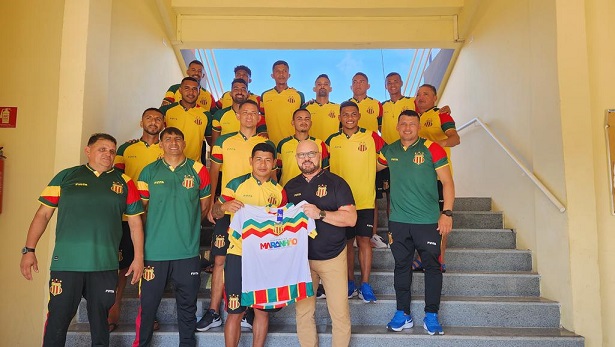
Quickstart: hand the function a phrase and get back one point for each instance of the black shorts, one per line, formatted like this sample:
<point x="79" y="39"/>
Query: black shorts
<point x="126" y="249"/>
<point x="383" y="178"/>
<point x="364" y="226"/>
<point x="219" y="240"/>
<point x="232" y="286"/>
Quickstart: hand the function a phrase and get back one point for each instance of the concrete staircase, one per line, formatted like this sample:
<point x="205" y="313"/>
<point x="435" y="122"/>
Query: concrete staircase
<point x="491" y="297"/>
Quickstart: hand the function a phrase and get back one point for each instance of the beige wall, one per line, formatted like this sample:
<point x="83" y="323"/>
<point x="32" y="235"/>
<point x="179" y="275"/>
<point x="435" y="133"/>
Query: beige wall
<point x="73" y="68"/>
<point x="541" y="64"/>
<point x="29" y="66"/>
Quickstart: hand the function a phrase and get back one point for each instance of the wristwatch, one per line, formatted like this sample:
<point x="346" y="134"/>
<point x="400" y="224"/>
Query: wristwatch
<point x="25" y="250"/>
<point x="322" y="214"/>
<point x="447" y="213"/>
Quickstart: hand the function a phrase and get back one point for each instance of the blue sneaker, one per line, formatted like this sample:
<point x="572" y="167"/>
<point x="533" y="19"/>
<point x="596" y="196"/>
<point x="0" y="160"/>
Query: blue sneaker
<point x="431" y="324"/>
<point x="366" y="293"/>
<point x="400" y="321"/>
<point x="352" y="291"/>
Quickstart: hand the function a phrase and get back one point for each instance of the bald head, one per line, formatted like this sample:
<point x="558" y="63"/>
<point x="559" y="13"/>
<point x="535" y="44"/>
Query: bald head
<point x="308" y="157"/>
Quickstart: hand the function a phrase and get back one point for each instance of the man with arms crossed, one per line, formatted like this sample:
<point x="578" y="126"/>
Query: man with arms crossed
<point x="91" y="199"/>
<point x="332" y="206"/>
<point x="416" y="222"/>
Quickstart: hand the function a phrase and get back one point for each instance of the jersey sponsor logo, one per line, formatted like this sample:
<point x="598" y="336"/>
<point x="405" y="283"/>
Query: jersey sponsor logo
<point x="279" y="244"/>
<point x="321" y="191"/>
<point x="188" y="181"/>
<point x="194" y="273"/>
<point x="332" y="114"/>
<point x="81" y="184"/>
<point x="370" y="110"/>
<point x="148" y="273"/>
<point x="394" y="159"/>
<point x="291" y="99"/>
<point x="428" y="123"/>
<point x="56" y="287"/>
<point x="117" y="188"/>
<point x="362" y="147"/>
<point x="297" y="194"/>
<point x="219" y="241"/>
<point x="198" y="121"/>
<point x="158" y="182"/>
<point x="419" y="158"/>
<point x="233" y="302"/>
<point x="109" y="291"/>
<point x="431" y="243"/>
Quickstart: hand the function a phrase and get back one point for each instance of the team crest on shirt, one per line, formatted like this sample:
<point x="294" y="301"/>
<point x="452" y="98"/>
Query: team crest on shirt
<point x="198" y="121"/>
<point x="233" y="302"/>
<point x="428" y="123"/>
<point x="188" y="181"/>
<point x="56" y="287"/>
<point x="321" y="191"/>
<point x="117" y="188"/>
<point x="278" y="229"/>
<point x="203" y="102"/>
<point x="331" y="114"/>
<point x="272" y="200"/>
<point x="219" y="241"/>
<point x="362" y="147"/>
<point x="291" y="99"/>
<point x="370" y="110"/>
<point x="148" y="273"/>
<point x="419" y="158"/>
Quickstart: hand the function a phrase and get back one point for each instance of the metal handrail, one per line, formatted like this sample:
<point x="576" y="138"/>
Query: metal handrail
<point x="525" y="170"/>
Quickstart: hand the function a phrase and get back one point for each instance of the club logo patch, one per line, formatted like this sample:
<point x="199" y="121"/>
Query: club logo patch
<point x="321" y="191"/>
<point x="272" y="200"/>
<point x="332" y="114"/>
<point x="233" y="302"/>
<point x="362" y="147"/>
<point x="278" y="229"/>
<point x="117" y="188"/>
<point x="291" y="99"/>
<point x="198" y="121"/>
<point x="188" y="181"/>
<point x="370" y="110"/>
<point x="148" y="273"/>
<point x="419" y="158"/>
<point x="219" y="241"/>
<point x="428" y="123"/>
<point x="56" y="287"/>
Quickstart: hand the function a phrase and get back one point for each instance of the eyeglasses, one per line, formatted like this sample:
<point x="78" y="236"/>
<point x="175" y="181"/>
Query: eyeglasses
<point x="303" y="155"/>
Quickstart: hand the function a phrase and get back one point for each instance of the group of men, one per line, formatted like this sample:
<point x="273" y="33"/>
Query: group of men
<point x="325" y="154"/>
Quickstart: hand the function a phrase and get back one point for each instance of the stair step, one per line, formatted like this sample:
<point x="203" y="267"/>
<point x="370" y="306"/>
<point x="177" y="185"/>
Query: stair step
<point x="463" y="259"/>
<point x="464" y="219"/>
<point x="373" y="335"/>
<point x="474" y="238"/>
<point x="465" y="283"/>
<point x="456" y="311"/>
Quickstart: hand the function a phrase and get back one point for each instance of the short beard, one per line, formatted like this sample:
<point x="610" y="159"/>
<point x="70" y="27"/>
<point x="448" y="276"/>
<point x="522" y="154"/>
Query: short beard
<point x="309" y="171"/>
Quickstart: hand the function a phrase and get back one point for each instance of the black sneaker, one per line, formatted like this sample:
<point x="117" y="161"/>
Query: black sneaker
<point x="320" y="292"/>
<point x="248" y="318"/>
<point x="211" y="319"/>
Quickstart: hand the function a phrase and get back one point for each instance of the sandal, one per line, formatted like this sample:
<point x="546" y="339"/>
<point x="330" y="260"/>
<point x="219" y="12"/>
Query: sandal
<point x="417" y="265"/>
<point x="112" y="327"/>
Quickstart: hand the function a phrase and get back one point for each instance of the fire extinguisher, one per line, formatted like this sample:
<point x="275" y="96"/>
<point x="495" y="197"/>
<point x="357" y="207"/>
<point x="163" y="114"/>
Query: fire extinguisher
<point x="2" y="157"/>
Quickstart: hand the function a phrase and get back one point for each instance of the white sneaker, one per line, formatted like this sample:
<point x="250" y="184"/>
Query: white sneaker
<point x="378" y="242"/>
